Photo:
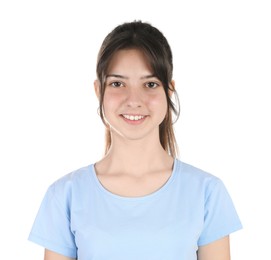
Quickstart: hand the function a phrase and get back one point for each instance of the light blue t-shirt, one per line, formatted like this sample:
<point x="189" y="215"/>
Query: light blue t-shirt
<point x="79" y="218"/>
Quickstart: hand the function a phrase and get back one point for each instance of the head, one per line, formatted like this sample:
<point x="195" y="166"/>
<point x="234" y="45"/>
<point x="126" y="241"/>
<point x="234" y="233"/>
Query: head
<point x="153" y="44"/>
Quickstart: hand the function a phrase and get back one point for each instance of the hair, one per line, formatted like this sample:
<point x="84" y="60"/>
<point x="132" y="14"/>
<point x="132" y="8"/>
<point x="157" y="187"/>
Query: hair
<point x="148" y="39"/>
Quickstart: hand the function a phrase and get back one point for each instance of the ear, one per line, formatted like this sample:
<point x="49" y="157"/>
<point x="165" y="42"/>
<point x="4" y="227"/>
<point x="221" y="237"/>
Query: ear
<point x="171" y="88"/>
<point x="97" y="88"/>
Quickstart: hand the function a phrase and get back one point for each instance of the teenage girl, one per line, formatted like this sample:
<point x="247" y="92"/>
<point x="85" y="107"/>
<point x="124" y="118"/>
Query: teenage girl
<point x="139" y="202"/>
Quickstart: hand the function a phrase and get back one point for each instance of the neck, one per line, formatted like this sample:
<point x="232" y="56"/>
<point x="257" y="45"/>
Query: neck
<point x="136" y="157"/>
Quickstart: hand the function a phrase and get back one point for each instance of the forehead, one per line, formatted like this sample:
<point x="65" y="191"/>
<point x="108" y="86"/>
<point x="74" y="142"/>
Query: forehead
<point x="129" y="59"/>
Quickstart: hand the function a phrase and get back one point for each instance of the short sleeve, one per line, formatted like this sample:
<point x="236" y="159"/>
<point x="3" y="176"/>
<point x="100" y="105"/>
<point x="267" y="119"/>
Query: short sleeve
<point x="220" y="216"/>
<point x="51" y="228"/>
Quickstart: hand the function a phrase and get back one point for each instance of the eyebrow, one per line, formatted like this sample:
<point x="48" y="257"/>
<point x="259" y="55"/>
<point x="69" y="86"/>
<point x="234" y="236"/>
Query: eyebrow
<point x="124" y="77"/>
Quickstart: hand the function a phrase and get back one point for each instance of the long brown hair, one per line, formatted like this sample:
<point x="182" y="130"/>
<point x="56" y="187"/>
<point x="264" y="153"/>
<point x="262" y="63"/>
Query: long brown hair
<point x="148" y="39"/>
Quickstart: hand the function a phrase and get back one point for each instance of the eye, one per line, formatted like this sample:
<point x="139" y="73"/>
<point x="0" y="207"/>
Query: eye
<point x="152" y="84"/>
<point x="116" y="84"/>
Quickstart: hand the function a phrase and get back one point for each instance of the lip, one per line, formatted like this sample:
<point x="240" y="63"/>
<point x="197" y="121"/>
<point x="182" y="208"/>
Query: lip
<point x="134" y="122"/>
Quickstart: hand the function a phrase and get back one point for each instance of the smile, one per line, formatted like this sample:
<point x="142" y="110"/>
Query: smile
<point x="134" y="117"/>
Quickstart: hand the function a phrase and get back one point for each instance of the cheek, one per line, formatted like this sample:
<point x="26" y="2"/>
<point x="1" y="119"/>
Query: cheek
<point x="111" y="101"/>
<point x="159" y="103"/>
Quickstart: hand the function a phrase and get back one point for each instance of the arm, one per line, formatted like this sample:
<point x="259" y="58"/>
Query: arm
<point x="218" y="250"/>
<point x="50" y="255"/>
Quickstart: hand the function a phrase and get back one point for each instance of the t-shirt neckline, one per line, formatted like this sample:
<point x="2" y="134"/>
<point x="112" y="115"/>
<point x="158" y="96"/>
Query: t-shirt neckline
<point x="163" y="188"/>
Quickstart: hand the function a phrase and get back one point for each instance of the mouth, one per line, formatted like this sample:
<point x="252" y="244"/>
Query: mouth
<point x="133" y="117"/>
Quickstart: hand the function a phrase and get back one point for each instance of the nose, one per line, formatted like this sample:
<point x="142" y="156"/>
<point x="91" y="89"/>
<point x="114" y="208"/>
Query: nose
<point x="134" y="98"/>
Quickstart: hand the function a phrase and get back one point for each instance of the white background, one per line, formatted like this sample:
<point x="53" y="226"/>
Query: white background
<point x="49" y="121"/>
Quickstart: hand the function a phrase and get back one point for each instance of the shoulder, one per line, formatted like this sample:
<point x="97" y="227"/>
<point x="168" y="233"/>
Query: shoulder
<point x="77" y="180"/>
<point x="195" y="182"/>
<point x="193" y="174"/>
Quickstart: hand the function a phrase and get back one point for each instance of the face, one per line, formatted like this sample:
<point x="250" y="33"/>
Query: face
<point x="134" y="100"/>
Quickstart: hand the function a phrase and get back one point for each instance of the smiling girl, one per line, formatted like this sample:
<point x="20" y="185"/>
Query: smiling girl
<point x="139" y="202"/>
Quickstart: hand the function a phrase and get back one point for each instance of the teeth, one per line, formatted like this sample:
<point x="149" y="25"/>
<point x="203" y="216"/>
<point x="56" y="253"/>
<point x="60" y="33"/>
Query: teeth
<point x="133" y="118"/>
